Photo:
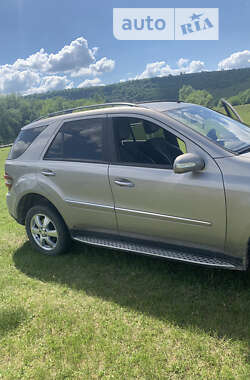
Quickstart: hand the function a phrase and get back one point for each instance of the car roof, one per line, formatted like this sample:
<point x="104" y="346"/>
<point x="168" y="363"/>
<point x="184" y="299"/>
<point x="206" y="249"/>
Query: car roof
<point x="107" y="108"/>
<point x="163" y="106"/>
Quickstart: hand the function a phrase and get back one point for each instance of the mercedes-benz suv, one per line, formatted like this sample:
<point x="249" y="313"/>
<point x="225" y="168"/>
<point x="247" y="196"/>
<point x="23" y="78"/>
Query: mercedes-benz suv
<point x="166" y="179"/>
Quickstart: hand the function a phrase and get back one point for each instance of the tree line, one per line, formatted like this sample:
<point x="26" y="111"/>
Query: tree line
<point x="17" y="111"/>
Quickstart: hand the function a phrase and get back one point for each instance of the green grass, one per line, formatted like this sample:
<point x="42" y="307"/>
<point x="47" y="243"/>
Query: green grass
<point x="243" y="110"/>
<point x="98" y="314"/>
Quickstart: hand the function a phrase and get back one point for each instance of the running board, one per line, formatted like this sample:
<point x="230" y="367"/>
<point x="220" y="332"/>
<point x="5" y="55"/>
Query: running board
<point x="188" y="255"/>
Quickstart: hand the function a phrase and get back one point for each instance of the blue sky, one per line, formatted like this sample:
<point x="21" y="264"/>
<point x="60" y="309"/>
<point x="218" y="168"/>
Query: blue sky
<point x="71" y="29"/>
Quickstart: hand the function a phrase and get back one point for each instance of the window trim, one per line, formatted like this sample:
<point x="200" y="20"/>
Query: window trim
<point x="137" y="165"/>
<point x="114" y="155"/>
<point x="103" y="118"/>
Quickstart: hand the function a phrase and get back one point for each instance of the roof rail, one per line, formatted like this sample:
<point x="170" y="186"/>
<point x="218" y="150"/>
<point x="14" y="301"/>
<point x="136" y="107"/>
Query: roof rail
<point x="70" y="110"/>
<point x="158" y="101"/>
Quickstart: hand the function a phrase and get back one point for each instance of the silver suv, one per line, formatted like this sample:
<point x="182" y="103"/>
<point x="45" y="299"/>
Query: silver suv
<point x="165" y="179"/>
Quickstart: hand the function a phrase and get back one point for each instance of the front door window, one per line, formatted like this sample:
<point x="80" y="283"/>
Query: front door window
<point x="143" y="142"/>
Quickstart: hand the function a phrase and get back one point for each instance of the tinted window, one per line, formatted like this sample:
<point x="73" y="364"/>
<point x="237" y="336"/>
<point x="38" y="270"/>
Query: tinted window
<point x="24" y="140"/>
<point x="78" y="140"/>
<point x="142" y="142"/>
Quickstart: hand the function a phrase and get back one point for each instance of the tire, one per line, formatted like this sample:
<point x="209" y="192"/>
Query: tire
<point x="47" y="231"/>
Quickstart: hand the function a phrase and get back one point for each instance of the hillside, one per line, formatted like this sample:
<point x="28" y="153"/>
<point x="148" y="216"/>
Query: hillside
<point x="218" y="83"/>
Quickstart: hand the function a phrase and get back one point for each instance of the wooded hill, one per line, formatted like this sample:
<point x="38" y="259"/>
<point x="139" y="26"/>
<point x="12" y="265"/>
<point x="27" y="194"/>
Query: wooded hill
<point x="218" y="83"/>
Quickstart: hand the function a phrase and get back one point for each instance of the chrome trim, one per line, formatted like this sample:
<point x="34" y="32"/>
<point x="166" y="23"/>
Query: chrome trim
<point x="171" y="218"/>
<point x="48" y="173"/>
<point x="88" y="204"/>
<point x="123" y="182"/>
<point x="189" y="164"/>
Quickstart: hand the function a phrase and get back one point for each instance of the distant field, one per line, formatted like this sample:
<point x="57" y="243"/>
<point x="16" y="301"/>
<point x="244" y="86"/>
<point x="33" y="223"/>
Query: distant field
<point x="243" y="111"/>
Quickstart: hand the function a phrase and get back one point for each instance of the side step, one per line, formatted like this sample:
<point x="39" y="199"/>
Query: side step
<point x="193" y="256"/>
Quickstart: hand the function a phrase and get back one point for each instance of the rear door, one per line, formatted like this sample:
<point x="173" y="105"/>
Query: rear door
<point x="151" y="201"/>
<point x="75" y="170"/>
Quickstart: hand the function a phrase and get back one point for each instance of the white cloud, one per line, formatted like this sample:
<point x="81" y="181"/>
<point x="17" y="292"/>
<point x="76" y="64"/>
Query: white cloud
<point x="152" y="70"/>
<point x="70" y="57"/>
<point x="91" y="83"/>
<point x="17" y="81"/>
<point x="28" y="82"/>
<point x="42" y="72"/>
<point x="182" y="62"/>
<point x="236" y="60"/>
<point x="35" y="62"/>
<point x="195" y="67"/>
<point x="104" y="65"/>
<point x="50" y="83"/>
<point x="161" y="68"/>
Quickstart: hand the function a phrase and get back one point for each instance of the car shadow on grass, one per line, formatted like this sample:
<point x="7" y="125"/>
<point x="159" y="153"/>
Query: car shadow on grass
<point x="215" y="301"/>
<point x="10" y="319"/>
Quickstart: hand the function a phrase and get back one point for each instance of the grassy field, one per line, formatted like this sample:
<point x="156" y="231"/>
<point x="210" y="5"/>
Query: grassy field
<point x="98" y="314"/>
<point x="243" y="110"/>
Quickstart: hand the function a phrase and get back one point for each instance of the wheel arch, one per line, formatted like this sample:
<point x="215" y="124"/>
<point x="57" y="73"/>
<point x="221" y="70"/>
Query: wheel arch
<point x="30" y="200"/>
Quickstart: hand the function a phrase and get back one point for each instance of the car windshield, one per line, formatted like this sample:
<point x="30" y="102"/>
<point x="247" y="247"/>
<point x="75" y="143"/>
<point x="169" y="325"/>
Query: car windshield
<point x="229" y="133"/>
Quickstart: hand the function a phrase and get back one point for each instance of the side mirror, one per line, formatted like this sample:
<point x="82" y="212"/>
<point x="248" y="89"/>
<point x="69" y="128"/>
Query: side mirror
<point x="188" y="162"/>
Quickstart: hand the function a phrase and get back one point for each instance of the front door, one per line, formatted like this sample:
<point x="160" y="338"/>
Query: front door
<point x="151" y="201"/>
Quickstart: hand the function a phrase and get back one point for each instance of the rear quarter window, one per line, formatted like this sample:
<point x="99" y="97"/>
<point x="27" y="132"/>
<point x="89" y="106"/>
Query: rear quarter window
<point x="24" y="140"/>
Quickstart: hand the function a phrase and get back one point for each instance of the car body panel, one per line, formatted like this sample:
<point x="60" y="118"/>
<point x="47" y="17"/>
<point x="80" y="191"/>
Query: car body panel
<point x="184" y="209"/>
<point x="236" y="176"/>
<point x="85" y="194"/>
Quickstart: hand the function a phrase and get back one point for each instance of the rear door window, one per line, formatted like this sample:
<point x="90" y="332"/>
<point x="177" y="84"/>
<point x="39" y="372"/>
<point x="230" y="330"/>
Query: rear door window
<point x="78" y="140"/>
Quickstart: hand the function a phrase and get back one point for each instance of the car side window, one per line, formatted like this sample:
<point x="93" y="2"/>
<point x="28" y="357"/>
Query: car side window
<point x="24" y="140"/>
<point x="139" y="141"/>
<point x="78" y="140"/>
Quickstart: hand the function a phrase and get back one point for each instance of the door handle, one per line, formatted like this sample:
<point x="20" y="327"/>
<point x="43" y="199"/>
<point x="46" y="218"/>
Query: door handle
<point x="123" y="182"/>
<point x="48" y="173"/>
